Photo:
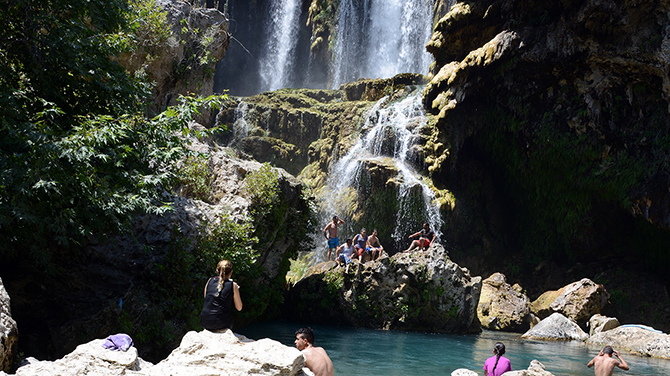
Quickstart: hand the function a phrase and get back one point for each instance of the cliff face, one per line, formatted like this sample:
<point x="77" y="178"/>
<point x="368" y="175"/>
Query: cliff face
<point x="553" y="132"/>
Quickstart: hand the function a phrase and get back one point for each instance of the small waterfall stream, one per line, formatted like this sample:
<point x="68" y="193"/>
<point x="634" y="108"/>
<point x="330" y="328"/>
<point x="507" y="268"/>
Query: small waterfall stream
<point x="387" y="137"/>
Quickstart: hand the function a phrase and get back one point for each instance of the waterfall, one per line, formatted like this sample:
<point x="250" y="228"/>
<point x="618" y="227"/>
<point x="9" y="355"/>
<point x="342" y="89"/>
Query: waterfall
<point x="387" y="137"/>
<point x="381" y="38"/>
<point x="277" y="63"/>
<point x="240" y="126"/>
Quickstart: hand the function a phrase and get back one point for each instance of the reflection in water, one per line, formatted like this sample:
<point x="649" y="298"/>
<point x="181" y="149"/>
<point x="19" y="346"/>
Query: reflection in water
<point x="356" y="351"/>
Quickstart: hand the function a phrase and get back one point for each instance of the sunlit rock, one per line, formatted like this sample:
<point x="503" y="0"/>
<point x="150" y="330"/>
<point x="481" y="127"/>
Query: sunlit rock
<point x="412" y="291"/>
<point x="9" y="333"/>
<point x="501" y="306"/>
<point x="579" y="301"/>
<point x="599" y="323"/>
<point x="638" y="340"/>
<point x="558" y="328"/>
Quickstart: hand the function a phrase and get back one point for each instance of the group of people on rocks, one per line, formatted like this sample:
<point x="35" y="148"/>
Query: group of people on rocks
<point x="222" y="294"/>
<point x="363" y="243"/>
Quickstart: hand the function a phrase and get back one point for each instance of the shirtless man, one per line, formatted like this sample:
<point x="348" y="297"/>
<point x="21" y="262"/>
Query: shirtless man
<point x="316" y="358"/>
<point x="372" y="241"/>
<point x="604" y="363"/>
<point x="330" y="232"/>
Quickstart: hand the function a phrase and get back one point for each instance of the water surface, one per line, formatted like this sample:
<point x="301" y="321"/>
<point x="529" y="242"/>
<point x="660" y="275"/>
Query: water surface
<point x="356" y="351"/>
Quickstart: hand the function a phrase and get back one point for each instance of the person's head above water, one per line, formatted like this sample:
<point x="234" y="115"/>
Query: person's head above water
<point x="608" y="350"/>
<point x="499" y="349"/>
<point x="304" y="336"/>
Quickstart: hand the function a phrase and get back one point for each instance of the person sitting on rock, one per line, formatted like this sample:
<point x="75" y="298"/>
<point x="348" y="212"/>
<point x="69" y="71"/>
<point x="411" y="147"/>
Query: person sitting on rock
<point x="221" y="295"/>
<point x="604" y="363"/>
<point x="426" y="237"/>
<point x="372" y="241"/>
<point x="316" y="358"/>
<point x="497" y="364"/>
<point x="360" y="243"/>
<point x="343" y="254"/>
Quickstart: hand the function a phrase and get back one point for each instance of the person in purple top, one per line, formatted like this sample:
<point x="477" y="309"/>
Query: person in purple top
<point x="497" y="364"/>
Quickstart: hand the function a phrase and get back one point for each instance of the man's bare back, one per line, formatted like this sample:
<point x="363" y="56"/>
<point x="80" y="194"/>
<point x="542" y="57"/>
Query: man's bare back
<point x="318" y="361"/>
<point x="604" y="363"/>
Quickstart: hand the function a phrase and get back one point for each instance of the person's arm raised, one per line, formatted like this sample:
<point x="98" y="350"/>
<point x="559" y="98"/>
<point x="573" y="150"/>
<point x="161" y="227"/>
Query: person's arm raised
<point x="622" y="363"/>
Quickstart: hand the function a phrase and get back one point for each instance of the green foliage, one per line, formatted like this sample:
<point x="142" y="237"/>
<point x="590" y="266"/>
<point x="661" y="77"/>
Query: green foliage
<point x="262" y="187"/>
<point x="77" y="155"/>
<point x="194" y="177"/>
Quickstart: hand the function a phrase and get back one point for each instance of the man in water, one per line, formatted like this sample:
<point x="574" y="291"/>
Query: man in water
<point x="330" y="232"/>
<point x="374" y="245"/>
<point x="426" y="236"/>
<point x="604" y="363"/>
<point x="316" y="358"/>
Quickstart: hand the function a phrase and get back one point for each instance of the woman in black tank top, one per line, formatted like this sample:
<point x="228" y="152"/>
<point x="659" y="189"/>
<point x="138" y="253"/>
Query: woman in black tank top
<point x="221" y="294"/>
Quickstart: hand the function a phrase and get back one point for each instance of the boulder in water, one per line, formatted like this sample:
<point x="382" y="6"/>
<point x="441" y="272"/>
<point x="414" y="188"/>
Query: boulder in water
<point x="558" y="328"/>
<point x="579" y="301"/>
<point x="633" y="339"/>
<point x="464" y="372"/>
<point x="501" y="306"/>
<point x="410" y="291"/>
<point x="599" y="323"/>
<point x="534" y="369"/>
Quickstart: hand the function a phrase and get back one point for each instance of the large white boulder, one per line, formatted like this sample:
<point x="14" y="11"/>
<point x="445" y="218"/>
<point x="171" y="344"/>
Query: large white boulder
<point x="634" y="339"/>
<point x="558" y="328"/>
<point x="501" y="306"/>
<point x="534" y="369"/>
<point x="579" y="301"/>
<point x="200" y="354"/>
<point x="206" y="353"/>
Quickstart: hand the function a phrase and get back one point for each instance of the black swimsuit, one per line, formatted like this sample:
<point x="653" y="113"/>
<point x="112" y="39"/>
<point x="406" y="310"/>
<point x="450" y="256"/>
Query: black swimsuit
<point x="217" y="311"/>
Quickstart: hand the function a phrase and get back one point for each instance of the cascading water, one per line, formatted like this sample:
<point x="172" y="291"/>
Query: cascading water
<point x="381" y="38"/>
<point x="240" y="126"/>
<point x="389" y="132"/>
<point x="277" y="63"/>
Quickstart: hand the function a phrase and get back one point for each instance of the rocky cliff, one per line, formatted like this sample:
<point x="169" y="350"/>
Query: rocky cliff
<point x="552" y="133"/>
<point x="423" y="291"/>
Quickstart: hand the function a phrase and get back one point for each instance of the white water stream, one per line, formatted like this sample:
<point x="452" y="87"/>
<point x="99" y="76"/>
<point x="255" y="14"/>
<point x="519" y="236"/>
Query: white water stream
<point x="277" y="63"/>
<point x="397" y="123"/>
<point x="381" y="38"/>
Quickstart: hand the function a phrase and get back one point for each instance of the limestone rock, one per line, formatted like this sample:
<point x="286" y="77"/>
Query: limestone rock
<point x="579" y="301"/>
<point x="90" y="359"/>
<point x="408" y="291"/>
<point x="556" y="327"/>
<point x="599" y="323"/>
<point x="464" y="372"/>
<point x="534" y="369"/>
<point x="206" y="353"/>
<point x="200" y="353"/>
<point x="9" y="332"/>
<point x="184" y="62"/>
<point x="501" y="306"/>
<point x="634" y="340"/>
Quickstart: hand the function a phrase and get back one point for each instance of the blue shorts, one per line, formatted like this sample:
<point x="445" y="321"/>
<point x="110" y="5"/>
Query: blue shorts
<point x="333" y="243"/>
<point x="346" y="259"/>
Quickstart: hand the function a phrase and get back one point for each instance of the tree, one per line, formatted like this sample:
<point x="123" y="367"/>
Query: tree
<point x="77" y="156"/>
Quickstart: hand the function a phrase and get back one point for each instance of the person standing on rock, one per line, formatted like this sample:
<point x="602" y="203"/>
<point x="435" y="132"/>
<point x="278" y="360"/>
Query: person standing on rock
<point x="316" y="358"/>
<point x="426" y="237"/>
<point x="497" y="364"/>
<point x="604" y="363"/>
<point x="330" y="232"/>
<point x="221" y="294"/>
